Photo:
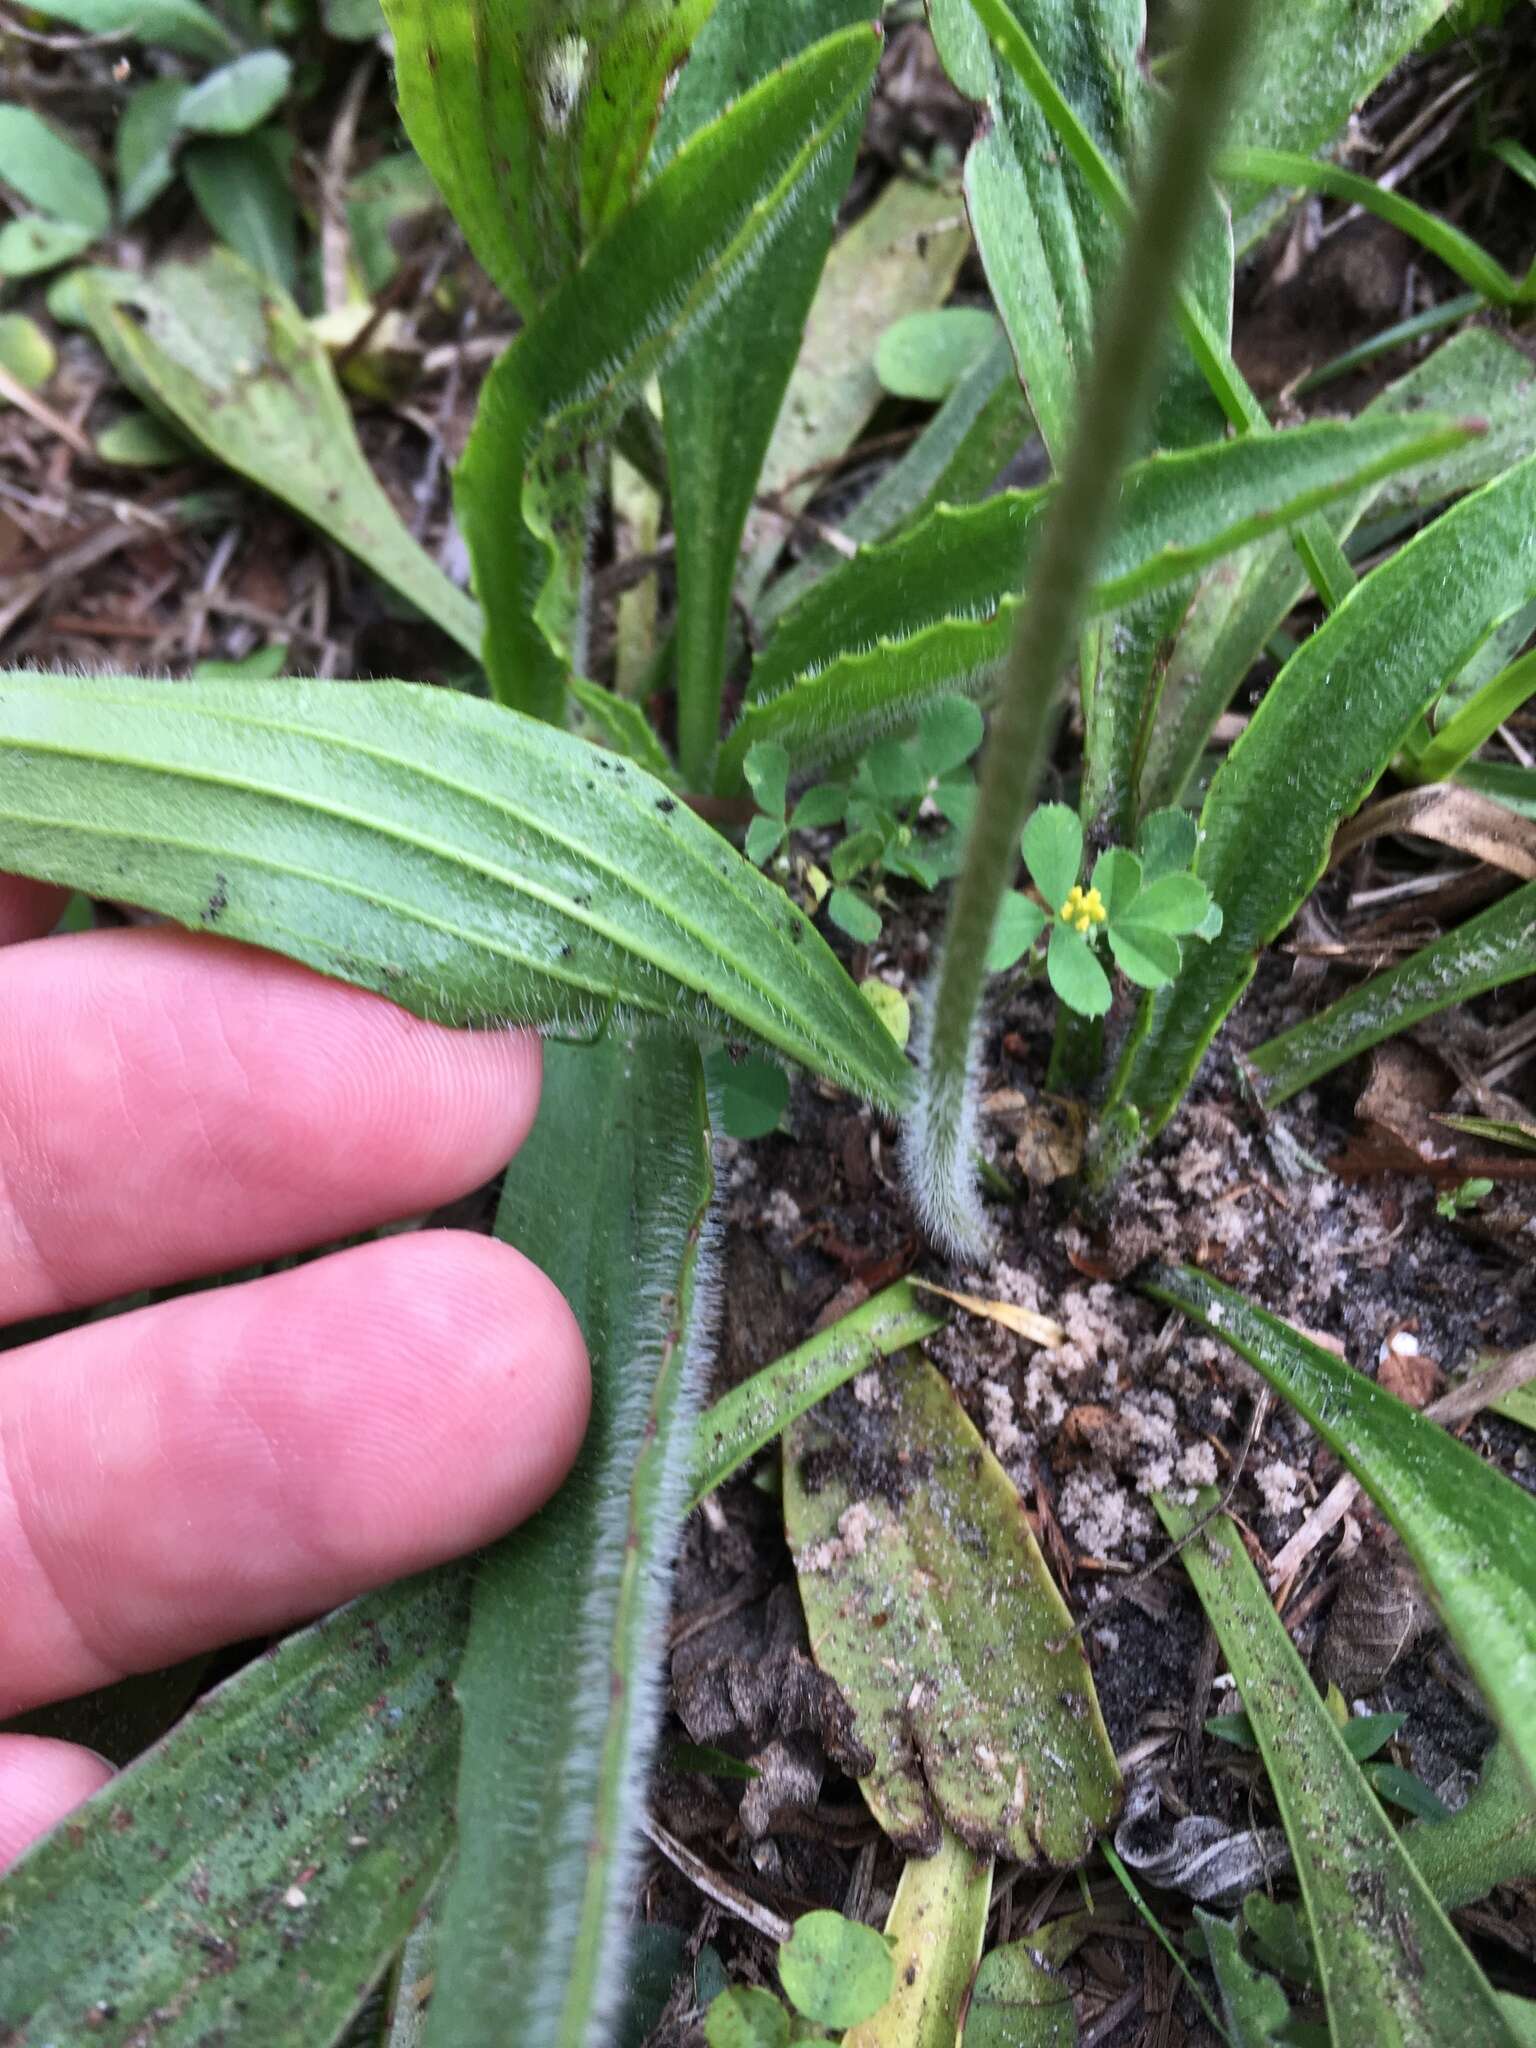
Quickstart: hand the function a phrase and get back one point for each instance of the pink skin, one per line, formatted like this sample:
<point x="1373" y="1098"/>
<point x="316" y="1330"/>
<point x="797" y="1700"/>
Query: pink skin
<point x="240" y="1459"/>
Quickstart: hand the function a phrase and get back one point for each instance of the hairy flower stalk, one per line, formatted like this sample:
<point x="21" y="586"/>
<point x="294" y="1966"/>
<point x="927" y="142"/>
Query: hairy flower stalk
<point x="1115" y="399"/>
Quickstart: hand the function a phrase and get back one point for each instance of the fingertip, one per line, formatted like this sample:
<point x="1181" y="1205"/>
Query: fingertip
<point x="28" y="909"/>
<point x="42" y="1780"/>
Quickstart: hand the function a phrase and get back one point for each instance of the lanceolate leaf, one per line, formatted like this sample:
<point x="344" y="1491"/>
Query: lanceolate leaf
<point x="1497" y="946"/>
<point x="1470" y="1532"/>
<point x="741" y="1422"/>
<point x="535" y="119"/>
<point x="1394" y="1972"/>
<point x="932" y="1608"/>
<point x="1244" y="600"/>
<point x="256" y="1869"/>
<point x="558" y="1688"/>
<point x="1046" y="240"/>
<point x="1311" y="67"/>
<point x="953" y="461"/>
<point x="1362" y="680"/>
<point x="521" y="489"/>
<point x="722" y="395"/>
<point x="871" y="645"/>
<point x="229" y="357"/>
<point x="468" y="863"/>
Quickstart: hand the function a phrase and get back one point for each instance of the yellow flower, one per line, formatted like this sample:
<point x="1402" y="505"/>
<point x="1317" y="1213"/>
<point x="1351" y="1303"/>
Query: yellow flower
<point x="1083" y="909"/>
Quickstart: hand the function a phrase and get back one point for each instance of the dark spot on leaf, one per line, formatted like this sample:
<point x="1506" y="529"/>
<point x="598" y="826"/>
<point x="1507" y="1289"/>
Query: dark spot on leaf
<point x="218" y="902"/>
<point x="666" y="804"/>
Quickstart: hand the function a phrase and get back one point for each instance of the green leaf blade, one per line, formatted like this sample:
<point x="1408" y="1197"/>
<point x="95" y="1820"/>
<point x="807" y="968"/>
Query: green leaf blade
<point x="470" y="864"/>
<point x="1495" y="947"/>
<point x="1363" y="679"/>
<point x="609" y="1196"/>
<point x="1470" y="1532"/>
<point x="1394" y="1972"/>
<point x="521" y="489"/>
<point x="168" y="1898"/>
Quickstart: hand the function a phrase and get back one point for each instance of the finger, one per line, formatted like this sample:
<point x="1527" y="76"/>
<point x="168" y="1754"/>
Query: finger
<point x="40" y="1781"/>
<point x="173" y="1105"/>
<point x="28" y="909"/>
<point x="231" y="1461"/>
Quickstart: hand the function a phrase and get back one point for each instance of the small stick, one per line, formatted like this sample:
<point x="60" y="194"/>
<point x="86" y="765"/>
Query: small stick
<point x="762" y="1918"/>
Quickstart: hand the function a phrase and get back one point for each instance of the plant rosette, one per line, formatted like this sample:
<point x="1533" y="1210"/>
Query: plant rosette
<point x="1142" y="903"/>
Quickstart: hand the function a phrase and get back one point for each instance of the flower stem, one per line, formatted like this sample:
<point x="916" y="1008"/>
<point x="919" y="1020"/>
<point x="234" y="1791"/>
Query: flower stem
<point x="1115" y="399"/>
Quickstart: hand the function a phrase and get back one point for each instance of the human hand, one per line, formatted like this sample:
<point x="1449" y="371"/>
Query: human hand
<point x="227" y="1463"/>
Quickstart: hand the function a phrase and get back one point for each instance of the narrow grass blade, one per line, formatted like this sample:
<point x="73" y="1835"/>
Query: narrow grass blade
<point x="1458" y="252"/>
<point x="935" y="1613"/>
<point x="722" y="394"/>
<point x="1394" y="1972"/>
<point x="557" y="1686"/>
<point x="936" y="1925"/>
<point x="1477" y="721"/>
<point x="1470" y="1532"/>
<point x="1363" y="679"/>
<point x="1496" y="946"/>
<point x="266" y="1858"/>
<point x="871" y="645"/>
<point x="535" y="120"/>
<point x="741" y="1422"/>
<point x="470" y="864"/>
<point x="222" y="351"/>
<point x="522" y="489"/>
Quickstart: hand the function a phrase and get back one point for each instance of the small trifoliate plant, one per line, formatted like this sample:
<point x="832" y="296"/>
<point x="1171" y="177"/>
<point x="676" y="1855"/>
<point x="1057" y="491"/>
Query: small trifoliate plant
<point x="898" y="786"/>
<point x="836" y="1973"/>
<point x="1141" y="904"/>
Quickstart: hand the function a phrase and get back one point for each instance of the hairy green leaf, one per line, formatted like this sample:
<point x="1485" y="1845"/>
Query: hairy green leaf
<point x="954" y="461"/>
<point x="1244" y="599"/>
<point x="722" y="394"/>
<point x="1470" y="1532"/>
<point x="466" y="862"/>
<point x="936" y="1926"/>
<point x="557" y="1686"/>
<point x="1489" y="1841"/>
<point x="255" y="1869"/>
<point x="1317" y="745"/>
<point x="232" y="362"/>
<point x="1394" y="1971"/>
<point x="1312" y="66"/>
<point x="1047" y="242"/>
<point x="978" y="1713"/>
<point x="870" y="645"/>
<point x="535" y="120"/>
<point x="751" y="1415"/>
<point x="521" y="490"/>
<point x="1496" y="946"/>
<point x="1252" y="2004"/>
